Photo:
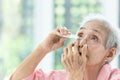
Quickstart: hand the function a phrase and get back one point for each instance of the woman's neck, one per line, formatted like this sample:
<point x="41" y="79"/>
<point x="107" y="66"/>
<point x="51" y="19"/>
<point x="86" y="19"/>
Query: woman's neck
<point x="92" y="72"/>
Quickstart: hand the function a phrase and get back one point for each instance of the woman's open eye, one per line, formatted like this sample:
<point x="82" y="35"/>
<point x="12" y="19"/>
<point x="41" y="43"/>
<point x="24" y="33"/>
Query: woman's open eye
<point x="94" y="37"/>
<point x="80" y="35"/>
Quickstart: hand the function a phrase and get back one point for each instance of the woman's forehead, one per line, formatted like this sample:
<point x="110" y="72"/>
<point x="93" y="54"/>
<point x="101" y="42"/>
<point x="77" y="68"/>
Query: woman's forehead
<point x="94" y="26"/>
<point x="91" y="29"/>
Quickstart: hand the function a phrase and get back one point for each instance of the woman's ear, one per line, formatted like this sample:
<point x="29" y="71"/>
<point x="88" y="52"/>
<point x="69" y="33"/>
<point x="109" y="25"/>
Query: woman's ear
<point x="111" y="54"/>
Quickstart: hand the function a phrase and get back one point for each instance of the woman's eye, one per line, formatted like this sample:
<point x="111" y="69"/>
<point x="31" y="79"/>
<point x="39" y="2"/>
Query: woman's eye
<point x="94" y="38"/>
<point x="80" y="35"/>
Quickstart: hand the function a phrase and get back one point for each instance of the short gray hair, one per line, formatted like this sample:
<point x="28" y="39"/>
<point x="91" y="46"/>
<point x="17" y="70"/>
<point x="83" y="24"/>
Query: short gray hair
<point x="113" y="35"/>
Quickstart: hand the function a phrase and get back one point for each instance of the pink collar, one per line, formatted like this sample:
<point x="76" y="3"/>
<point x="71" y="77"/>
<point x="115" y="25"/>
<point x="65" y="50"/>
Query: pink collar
<point x="104" y="72"/>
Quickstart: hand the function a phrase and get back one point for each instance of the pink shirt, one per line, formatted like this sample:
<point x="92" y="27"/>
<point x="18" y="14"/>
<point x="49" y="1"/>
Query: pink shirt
<point x="106" y="73"/>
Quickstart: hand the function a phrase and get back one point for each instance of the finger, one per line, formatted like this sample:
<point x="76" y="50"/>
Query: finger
<point x="84" y="52"/>
<point x="76" y="48"/>
<point x="65" y="51"/>
<point x="62" y="40"/>
<point x="65" y="62"/>
<point x="82" y="58"/>
<point x="58" y="33"/>
<point x="70" y="48"/>
<point x="70" y="55"/>
<point x="59" y="29"/>
<point x="76" y="53"/>
<point x="64" y="31"/>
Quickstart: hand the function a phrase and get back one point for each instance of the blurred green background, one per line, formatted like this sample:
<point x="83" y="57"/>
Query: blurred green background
<point x="70" y="13"/>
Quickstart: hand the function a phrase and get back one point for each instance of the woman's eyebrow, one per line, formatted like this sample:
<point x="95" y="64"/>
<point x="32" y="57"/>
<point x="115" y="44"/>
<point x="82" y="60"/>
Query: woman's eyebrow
<point x="95" y="30"/>
<point x="82" y="28"/>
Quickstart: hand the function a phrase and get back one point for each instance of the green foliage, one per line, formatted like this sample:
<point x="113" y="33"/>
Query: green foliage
<point x="15" y="37"/>
<point x="13" y="51"/>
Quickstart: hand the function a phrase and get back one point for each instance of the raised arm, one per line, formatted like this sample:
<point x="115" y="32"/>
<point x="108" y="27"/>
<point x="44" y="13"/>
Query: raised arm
<point x="52" y="42"/>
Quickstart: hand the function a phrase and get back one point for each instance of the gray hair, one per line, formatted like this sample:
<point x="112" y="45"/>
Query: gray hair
<point x="113" y="35"/>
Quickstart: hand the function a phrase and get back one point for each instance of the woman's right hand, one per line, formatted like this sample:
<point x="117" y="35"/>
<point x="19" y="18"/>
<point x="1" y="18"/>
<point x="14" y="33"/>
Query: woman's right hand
<point x="55" y="39"/>
<point x="74" y="60"/>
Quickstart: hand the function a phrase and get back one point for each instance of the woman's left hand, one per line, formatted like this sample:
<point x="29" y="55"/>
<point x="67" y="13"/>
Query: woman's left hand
<point x="74" y="61"/>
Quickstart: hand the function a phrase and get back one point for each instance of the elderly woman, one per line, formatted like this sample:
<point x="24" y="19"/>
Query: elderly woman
<point x="86" y="59"/>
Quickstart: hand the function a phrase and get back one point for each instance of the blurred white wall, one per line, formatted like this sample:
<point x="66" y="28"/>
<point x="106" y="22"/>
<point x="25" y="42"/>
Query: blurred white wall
<point x="43" y="24"/>
<point x="110" y="10"/>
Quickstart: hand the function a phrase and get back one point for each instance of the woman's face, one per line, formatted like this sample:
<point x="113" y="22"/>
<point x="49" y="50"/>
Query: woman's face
<point x="95" y="36"/>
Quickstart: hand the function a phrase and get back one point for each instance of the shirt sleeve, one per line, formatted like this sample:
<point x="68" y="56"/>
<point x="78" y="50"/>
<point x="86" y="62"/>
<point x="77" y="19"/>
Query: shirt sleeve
<point x="115" y="75"/>
<point x="53" y="75"/>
